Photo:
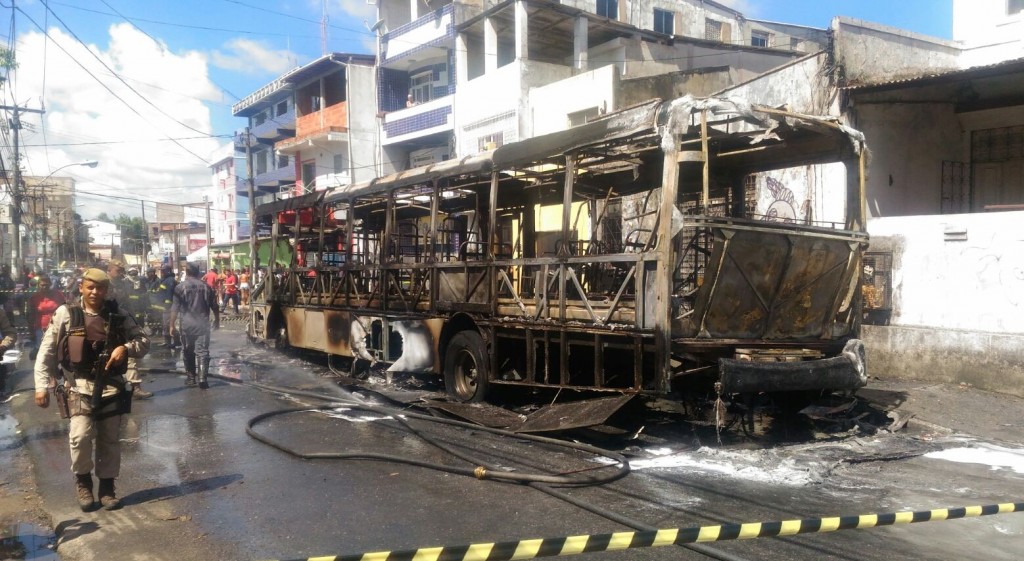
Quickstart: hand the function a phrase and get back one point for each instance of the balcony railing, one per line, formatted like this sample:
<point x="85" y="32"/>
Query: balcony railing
<point x="277" y="128"/>
<point x="275" y="177"/>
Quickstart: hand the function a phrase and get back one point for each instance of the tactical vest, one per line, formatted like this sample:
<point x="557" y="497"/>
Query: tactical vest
<point x="84" y="339"/>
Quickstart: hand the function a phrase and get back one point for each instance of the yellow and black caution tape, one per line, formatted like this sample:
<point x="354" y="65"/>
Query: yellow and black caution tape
<point x="573" y="545"/>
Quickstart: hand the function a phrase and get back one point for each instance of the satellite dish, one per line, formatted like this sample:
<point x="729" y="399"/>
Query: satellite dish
<point x="376" y="27"/>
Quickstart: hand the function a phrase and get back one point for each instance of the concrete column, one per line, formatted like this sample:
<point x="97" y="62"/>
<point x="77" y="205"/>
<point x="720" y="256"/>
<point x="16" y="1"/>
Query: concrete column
<point x="490" y="46"/>
<point x="414" y="10"/>
<point x="461" y="61"/>
<point x="522" y="32"/>
<point x="579" y="44"/>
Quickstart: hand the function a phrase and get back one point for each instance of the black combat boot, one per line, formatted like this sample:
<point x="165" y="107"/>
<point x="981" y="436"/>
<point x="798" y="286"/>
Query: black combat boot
<point x="203" y="370"/>
<point x="107" y="497"/>
<point x="190" y="379"/>
<point x="83" y="489"/>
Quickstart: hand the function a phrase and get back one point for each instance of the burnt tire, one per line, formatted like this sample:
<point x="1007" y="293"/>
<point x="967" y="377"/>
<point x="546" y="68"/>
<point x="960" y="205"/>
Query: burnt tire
<point x="466" y="367"/>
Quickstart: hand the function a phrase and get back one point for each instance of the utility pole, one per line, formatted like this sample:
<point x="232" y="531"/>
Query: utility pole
<point x="17" y="188"/>
<point x="145" y="237"/>
<point x="209" y="235"/>
<point x="254" y="255"/>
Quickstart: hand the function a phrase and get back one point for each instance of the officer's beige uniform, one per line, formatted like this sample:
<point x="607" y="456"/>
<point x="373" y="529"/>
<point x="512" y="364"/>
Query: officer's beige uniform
<point x="84" y="429"/>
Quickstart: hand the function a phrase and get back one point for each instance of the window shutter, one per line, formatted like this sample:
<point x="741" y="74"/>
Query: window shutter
<point x="726" y="32"/>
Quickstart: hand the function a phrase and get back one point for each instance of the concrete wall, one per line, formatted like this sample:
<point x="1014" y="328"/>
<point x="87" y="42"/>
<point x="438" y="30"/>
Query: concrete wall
<point x="940" y="280"/>
<point x="872" y="53"/>
<point x="801" y="85"/>
<point x="362" y="121"/>
<point x="650" y="59"/>
<point x="499" y="101"/>
<point x="908" y="143"/>
<point x="698" y="83"/>
<point x="551" y="105"/>
<point x="988" y="361"/>
<point x="958" y="306"/>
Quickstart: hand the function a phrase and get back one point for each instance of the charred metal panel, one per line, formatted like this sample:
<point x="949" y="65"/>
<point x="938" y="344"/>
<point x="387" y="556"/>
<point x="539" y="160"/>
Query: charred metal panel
<point x="338" y="327"/>
<point x="772" y="283"/>
<point x="462" y="286"/>
<point x="573" y="415"/>
<point x="295" y="323"/>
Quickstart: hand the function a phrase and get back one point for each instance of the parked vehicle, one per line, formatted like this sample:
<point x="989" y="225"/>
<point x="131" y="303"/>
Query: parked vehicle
<point x="692" y="243"/>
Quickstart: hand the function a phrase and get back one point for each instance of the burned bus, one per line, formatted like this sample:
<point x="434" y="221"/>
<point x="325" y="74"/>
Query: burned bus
<point x="691" y="243"/>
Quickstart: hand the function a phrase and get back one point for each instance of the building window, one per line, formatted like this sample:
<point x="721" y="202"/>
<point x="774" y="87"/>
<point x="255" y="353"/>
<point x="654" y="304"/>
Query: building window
<point x="1014" y="7"/>
<point x="608" y="8"/>
<point x="282" y="162"/>
<point x="712" y="30"/>
<point x="794" y="43"/>
<point x="759" y="39"/>
<point x="282" y="108"/>
<point x="578" y="118"/>
<point x="663" y="20"/>
<point x="421" y="87"/>
<point x="490" y="141"/>
<point x="340" y="165"/>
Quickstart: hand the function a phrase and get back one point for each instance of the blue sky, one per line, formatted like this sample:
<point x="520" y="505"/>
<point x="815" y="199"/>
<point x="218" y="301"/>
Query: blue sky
<point x="181" y="64"/>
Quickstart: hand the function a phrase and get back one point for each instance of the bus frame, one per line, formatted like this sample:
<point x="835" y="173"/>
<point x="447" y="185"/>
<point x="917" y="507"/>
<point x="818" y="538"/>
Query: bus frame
<point x="672" y="282"/>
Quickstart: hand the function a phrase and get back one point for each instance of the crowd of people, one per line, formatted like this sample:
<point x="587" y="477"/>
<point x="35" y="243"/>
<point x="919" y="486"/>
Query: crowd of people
<point x="89" y="334"/>
<point x="88" y="329"/>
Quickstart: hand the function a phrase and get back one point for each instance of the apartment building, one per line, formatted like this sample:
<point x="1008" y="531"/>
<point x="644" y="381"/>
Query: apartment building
<point x="313" y="128"/>
<point x="229" y="196"/>
<point x="270" y="112"/>
<point x="457" y="78"/>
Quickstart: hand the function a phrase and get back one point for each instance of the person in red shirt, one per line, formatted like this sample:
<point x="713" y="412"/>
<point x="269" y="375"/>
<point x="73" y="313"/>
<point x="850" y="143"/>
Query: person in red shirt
<point x="41" y="306"/>
<point x="210" y="278"/>
<point x="230" y="290"/>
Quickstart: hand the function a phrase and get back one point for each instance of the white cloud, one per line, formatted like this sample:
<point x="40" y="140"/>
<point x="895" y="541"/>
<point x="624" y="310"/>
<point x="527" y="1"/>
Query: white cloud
<point x="358" y="9"/>
<point x="253" y="57"/>
<point x="83" y="115"/>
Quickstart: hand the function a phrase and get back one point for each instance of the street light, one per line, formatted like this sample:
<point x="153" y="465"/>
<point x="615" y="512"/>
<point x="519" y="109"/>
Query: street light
<point x="16" y="214"/>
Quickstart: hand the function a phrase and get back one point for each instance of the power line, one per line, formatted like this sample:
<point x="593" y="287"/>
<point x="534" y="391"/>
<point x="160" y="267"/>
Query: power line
<point x="133" y="24"/>
<point x="181" y="25"/>
<point x="98" y="81"/>
<point x="107" y="142"/>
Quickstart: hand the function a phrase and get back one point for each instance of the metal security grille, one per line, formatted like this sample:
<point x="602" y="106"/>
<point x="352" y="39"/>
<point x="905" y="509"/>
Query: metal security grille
<point x="877" y="287"/>
<point x="997" y="145"/>
<point x="956" y="188"/>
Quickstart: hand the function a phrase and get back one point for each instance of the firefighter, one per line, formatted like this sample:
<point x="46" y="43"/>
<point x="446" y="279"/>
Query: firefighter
<point x="122" y="291"/>
<point x="78" y="339"/>
<point x="161" y="299"/>
<point x="193" y="302"/>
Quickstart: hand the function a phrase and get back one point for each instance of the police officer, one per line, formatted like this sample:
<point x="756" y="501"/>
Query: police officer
<point x="193" y="302"/>
<point x="122" y="291"/>
<point x="78" y="338"/>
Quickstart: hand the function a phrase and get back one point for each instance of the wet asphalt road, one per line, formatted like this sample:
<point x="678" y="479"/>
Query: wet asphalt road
<point x="196" y="486"/>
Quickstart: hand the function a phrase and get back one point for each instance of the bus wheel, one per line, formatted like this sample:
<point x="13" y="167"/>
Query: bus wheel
<point x="465" y="367"/>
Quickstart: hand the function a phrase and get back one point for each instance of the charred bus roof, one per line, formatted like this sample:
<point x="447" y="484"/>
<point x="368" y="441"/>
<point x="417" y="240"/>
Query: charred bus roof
<point x="742" y="139"/>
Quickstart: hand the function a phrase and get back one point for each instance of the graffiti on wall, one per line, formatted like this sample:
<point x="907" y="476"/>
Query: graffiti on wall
<point x="782" y="203"/>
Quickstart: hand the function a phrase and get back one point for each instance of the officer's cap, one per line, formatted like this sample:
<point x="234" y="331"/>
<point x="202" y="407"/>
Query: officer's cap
<point x="116" y="263"/>
<point x="97" y="276"/>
